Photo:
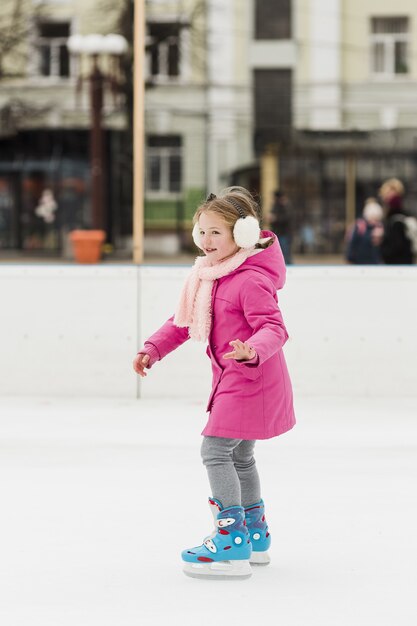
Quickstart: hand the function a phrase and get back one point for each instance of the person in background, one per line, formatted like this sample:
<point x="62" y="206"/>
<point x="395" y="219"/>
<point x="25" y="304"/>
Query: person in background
<point x="364" y="239"/>
<point x="396" y="246"/>
<point x="281" y="223"/>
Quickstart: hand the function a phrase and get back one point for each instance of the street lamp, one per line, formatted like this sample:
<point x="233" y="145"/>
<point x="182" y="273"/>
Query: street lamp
<point x="94" y="46"/>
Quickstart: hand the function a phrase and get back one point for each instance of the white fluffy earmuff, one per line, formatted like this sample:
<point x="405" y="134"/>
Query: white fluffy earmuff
<point x="196" y="236"/>
<point x="246" y="231"/>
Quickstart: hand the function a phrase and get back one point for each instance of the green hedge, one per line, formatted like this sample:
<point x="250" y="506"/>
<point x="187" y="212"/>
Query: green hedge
<point x="165" y="214"/>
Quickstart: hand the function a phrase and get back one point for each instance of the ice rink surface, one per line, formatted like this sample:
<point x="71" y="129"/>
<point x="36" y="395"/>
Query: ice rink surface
<point x="99" y="497"/>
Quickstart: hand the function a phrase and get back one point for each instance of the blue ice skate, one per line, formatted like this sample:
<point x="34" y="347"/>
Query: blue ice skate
<point x="226" y="552"/>
<point x="258" y="531"/>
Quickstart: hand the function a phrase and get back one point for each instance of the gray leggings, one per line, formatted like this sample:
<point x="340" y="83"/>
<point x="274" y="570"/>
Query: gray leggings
<point x="231" y="470"/>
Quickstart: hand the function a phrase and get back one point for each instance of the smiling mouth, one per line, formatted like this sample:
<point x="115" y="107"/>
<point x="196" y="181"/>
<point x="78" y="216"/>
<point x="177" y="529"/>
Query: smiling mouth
<point x="210" y="249"/>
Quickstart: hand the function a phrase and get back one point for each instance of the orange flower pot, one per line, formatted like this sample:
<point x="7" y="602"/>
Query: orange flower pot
<point x="87" y="245"/>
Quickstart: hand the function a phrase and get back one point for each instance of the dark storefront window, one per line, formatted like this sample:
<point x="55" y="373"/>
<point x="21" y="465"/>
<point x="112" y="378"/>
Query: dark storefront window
<point x="316" y="187"/>
<point x="7" y="208"/>
<point x="54" y="201"/>
<point x="371" y="172"/>
<point x="315" y="183"/>
<point x="44" y="189"/>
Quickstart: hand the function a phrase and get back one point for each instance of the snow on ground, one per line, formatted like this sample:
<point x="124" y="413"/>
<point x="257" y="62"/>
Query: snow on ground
<point x="99" y="497"/>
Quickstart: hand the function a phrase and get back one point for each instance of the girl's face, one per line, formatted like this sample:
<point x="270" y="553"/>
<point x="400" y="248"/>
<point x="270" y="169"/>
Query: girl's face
<point x="216" y="237"/>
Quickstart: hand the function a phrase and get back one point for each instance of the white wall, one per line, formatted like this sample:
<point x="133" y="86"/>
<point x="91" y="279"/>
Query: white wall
<point x="74" y="330"/>
<point x="67" y="330"/>
<point x="352" y="329"/>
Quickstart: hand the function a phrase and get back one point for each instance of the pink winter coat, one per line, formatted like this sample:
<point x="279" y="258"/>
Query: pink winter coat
<point x="247" y="401"/>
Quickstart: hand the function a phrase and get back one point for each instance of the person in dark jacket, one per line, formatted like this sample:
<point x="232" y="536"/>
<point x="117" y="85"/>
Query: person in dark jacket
<point x="363" y="246"/>
<point x="396" y="247"/>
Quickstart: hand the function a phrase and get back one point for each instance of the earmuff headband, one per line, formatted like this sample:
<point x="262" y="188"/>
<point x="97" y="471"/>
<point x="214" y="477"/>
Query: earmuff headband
<point x="246" y="231"/>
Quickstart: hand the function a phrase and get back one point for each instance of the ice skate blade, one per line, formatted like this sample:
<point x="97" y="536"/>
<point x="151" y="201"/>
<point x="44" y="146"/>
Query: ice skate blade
<point x="219" y="570"/>
<point x="260" y="558"/>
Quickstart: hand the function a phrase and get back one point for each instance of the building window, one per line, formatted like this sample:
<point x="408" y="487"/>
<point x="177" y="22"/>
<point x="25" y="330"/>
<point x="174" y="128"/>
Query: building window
<point x="390" y="46"/>
<point x="163" y="165"/>
<point x="272" y="19"/>
<point x="53" y="55"/>
<point x="273" y="106"/>
<point x="163" y="50"/>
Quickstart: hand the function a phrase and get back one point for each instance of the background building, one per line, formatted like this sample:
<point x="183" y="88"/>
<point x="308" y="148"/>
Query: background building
<point x="315" y="97"/>
<point x="198" y="122"/>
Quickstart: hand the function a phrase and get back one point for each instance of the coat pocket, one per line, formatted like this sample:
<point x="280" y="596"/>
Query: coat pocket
<point x="251" y="373"/>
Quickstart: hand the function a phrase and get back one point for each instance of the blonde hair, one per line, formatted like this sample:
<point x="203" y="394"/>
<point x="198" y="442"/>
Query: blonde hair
<point x="390" y="186"/>
<point x="224" y="204"/>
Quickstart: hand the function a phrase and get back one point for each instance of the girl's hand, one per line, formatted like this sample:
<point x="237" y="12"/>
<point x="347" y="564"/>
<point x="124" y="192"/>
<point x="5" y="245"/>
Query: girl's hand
<point x="139" y="364"/>
<point x="242" y="351"/>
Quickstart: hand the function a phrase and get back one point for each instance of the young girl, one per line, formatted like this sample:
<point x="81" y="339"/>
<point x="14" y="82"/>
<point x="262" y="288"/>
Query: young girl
<point x="364" y="237"/>
<point x="230" y="300"/>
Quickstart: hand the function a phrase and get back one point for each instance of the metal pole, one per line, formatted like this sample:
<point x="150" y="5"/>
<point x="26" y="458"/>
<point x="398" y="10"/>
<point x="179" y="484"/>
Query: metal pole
<point x="138" y="129"/>
<point x="97" y="147"/>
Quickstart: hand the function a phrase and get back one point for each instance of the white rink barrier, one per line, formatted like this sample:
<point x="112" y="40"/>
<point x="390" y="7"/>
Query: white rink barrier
<point x="69" y="330"/>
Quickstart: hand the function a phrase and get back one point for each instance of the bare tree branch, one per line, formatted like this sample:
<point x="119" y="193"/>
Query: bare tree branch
<point x="16" y="111"/>
<point x="15" y="27"/>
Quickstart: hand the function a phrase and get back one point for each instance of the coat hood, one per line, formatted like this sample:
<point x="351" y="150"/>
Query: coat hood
<point x="269" y="262"/>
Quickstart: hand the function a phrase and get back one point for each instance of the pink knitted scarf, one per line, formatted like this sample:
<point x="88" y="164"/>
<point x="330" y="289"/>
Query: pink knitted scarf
<point x="194" y="307"/>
